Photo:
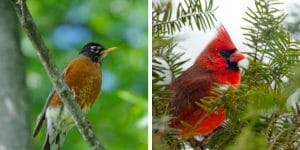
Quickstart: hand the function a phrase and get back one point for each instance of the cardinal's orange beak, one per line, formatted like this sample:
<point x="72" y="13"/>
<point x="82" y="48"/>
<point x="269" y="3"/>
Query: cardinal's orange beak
<point x="237" y="56"/>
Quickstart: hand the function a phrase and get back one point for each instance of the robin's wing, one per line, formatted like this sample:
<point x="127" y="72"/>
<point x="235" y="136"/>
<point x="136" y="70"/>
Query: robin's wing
<point x="41" y="117"/>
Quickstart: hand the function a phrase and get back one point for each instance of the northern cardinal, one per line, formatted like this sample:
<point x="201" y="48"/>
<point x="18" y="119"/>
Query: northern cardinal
<point x="218" y="63"/>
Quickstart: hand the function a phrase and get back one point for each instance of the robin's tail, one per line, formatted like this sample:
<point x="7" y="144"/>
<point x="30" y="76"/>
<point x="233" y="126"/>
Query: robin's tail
<point x="54" y="140"/>
<point x="46" y="143"/>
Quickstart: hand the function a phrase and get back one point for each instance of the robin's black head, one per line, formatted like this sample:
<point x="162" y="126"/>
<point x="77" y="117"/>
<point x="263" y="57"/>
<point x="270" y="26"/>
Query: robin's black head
<point x="96" y="52"/>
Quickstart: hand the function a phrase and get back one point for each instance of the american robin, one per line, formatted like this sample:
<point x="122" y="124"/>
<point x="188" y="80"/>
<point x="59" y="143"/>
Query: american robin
<point x="83" y="76"/>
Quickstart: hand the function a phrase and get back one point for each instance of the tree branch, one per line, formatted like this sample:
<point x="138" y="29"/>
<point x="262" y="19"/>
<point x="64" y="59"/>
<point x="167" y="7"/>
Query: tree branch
<point x="60" y="86"/>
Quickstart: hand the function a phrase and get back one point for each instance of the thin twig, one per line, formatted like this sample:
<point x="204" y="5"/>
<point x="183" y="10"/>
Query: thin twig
<point x="60" y="86"/>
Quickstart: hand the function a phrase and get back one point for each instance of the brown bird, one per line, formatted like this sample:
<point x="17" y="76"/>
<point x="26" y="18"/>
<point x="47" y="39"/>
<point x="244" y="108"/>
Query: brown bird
<point x="83" y="76"/>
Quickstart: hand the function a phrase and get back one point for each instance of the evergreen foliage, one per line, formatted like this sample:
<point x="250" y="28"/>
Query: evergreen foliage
<point x="260" y="117"/>
<point x="192" y="13"/>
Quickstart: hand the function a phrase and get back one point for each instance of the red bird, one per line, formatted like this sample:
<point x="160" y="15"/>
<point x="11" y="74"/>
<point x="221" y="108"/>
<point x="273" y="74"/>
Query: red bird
<point x="218" y="63"/>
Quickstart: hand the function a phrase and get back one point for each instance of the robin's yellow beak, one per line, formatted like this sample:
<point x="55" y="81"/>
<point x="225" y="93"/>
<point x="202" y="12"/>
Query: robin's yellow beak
<point x="107" y="51"/>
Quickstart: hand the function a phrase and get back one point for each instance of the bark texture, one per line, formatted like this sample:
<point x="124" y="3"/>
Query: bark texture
<point x="15" y="124"/>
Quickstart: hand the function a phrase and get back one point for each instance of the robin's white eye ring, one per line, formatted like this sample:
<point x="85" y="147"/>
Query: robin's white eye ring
<point x="94" y="49"/>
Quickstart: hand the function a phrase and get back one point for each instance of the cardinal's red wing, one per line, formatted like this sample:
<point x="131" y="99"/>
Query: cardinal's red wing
<point x="191" y="86"/>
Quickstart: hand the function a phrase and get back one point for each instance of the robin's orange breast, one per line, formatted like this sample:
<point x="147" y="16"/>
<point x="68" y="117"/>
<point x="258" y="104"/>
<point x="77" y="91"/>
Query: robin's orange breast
<point x="84" y="78"/>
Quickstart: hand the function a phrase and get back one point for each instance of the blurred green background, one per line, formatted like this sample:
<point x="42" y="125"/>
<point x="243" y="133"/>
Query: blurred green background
<point x="119" y="115"/>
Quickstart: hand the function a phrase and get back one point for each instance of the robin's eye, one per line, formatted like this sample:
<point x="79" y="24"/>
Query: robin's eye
<point x="94" y="49"/>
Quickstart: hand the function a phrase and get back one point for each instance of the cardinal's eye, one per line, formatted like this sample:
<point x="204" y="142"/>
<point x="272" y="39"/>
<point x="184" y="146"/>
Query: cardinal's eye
<point x="227" y="53"/>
